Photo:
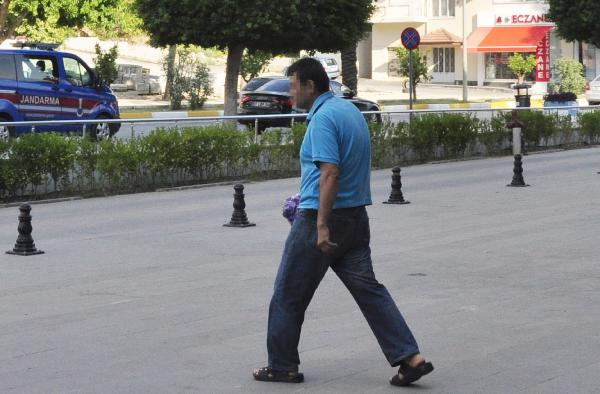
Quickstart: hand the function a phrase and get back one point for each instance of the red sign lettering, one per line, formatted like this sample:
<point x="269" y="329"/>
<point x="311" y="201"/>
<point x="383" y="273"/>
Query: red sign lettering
<point x="522" y="19"/>
<point x="543" y="60"/>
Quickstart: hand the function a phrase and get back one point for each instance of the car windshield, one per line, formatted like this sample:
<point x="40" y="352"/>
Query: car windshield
<point x="276" y="85"/>
<point x="255" y="84"/>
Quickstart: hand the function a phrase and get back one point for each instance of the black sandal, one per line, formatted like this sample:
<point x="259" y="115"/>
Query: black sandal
<point x="411" y="374"/>
<point x="267" y="374"/>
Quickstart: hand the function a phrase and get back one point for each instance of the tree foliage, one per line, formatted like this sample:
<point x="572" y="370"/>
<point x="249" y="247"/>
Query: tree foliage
<point x="521" y="66"/>
<point x="272" y="26"/>
<point x="420" y="70"/>
<point x="106" y="64"/>
<point x="254" y="63"/>
<point x="54" y="20"/>
<point x="576" y="19"/>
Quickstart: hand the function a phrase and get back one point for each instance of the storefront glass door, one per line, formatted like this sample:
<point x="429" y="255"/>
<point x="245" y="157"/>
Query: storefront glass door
<point x="444" y="66"/>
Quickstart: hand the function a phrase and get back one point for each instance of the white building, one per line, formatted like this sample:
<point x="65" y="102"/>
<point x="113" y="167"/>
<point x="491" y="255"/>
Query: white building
<point x="494" y="30"/>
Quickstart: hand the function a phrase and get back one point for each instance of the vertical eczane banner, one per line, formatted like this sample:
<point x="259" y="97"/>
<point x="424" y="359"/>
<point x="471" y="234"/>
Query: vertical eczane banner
<point x="542" y="54"/>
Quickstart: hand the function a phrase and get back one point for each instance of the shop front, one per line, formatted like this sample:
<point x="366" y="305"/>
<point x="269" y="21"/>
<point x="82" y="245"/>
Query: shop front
<point x="501" y="33"/>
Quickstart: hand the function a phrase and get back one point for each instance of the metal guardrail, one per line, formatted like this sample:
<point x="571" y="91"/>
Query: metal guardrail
<point x="257" y="118"/>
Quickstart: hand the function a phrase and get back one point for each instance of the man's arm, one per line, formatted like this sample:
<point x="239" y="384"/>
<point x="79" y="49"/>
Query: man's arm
<point x="328" y="189"/>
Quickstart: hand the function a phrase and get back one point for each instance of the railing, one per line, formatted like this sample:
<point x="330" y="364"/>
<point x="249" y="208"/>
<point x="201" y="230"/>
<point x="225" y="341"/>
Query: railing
<point x="390" y="115"/>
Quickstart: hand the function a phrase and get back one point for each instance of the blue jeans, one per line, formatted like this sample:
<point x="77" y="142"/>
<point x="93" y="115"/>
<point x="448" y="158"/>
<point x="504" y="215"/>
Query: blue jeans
<point x="303" y="266"/>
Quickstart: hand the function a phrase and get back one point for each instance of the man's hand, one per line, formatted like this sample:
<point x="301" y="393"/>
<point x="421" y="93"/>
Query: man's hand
<point x="323" y="242"/>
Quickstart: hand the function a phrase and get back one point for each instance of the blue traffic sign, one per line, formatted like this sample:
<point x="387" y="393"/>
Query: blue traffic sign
<point x="410" y="38"/>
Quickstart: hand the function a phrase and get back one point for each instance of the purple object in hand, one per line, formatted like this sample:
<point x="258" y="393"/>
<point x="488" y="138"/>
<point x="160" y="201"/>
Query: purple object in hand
<point x="290" y="206"/>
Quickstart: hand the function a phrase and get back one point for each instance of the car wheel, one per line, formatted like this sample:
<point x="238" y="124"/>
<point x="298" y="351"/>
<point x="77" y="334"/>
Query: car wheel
<point x="6" y="132"/>
<point x="100" y="131"/>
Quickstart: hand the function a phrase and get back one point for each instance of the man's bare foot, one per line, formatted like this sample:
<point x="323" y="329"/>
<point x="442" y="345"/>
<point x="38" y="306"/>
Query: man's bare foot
<point x="414" y="360"/>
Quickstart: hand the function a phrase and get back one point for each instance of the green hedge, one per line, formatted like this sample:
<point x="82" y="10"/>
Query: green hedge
<point x="48" y="163"/>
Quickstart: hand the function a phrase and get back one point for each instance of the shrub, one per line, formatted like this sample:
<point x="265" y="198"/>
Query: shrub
<point x="493" y="133"/>
<point x="189" y="77"/>
<point x="561" y="97"/>
<point x="106" y="64"/>
<point x="570" y="72"/>
<point x="590" y="125"/>
<point x="452" y="132"/>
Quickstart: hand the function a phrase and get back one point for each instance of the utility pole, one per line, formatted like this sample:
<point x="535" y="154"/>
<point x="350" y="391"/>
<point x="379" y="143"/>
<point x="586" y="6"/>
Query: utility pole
<point x="464" y="52"/>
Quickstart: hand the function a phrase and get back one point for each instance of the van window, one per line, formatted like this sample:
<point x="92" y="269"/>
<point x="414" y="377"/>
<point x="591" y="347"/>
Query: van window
<point x="39" y="68"/>
<point x="7" y="67"/>
<point x="77" y="73"/>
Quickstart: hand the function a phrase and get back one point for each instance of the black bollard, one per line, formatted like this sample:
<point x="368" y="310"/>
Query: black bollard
<point x="239" y="218"/>
<point x="24" y="245"/>
<point x="518" y="180"/>
<point x="396" y="196"/>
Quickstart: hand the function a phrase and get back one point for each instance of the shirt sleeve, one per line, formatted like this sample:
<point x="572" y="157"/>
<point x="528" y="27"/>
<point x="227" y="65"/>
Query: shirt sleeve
<point x="325" y="147"/>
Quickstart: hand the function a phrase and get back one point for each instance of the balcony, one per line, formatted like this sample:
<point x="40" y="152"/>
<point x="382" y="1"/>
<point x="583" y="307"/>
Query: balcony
<point x="399" y="11"/>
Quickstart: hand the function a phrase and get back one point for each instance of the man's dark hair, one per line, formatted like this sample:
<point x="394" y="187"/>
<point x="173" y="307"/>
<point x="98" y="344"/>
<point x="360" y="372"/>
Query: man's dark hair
<point x="309" y="69"/>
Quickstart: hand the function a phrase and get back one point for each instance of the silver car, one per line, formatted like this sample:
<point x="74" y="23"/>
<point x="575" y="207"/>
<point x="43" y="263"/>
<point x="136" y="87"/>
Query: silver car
<point x="330" y="65"/>
<point x="592" y="91"/>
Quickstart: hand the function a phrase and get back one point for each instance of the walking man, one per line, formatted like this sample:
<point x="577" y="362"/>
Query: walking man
<point x="331" y="230"/>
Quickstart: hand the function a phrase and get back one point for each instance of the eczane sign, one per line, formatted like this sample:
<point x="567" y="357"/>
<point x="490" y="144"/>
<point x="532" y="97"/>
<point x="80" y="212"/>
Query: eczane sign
<point x="521" y="19"/>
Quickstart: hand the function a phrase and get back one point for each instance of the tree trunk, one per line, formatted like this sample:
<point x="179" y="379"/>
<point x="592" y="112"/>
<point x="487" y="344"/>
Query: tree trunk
<point x="3" y="19"/>
<point x="170" y="70"/>
<point x="234" y="58"/>
<point x="349" y="72"/>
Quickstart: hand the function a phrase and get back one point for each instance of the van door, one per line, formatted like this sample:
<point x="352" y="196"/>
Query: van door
<point x="83" y="99"/>
<point x="9" y="96"/>
<point x="38" y="87"/>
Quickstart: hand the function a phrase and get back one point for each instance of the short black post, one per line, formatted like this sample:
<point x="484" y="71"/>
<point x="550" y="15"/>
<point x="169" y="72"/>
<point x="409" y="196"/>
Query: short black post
<point x="396" y="196"/>
<point x="239" y="218"/>
<point x="518" y="180"/>
<point x="24" y="245"/>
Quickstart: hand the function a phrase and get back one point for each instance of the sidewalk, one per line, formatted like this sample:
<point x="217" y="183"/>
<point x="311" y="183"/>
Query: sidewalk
<point x="149" y="293"/>
<point x="384" y="92"/>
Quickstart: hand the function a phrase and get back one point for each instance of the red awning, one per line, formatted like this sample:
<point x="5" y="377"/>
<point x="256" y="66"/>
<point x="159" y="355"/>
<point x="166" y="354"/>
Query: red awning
<point x="506" y="38"/>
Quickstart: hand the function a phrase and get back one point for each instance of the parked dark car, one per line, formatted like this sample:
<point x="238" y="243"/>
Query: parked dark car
<point x="273" y="97"/>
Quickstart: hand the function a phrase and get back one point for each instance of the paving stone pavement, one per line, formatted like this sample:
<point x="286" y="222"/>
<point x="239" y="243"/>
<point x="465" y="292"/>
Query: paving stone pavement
<point x="148" y="293"/>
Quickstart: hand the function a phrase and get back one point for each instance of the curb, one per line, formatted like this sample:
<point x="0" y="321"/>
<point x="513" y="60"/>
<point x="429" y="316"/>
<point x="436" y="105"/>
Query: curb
<point x="201" y="186"/>
<point x="170" y="114"/>
<point x="35" y="202"/>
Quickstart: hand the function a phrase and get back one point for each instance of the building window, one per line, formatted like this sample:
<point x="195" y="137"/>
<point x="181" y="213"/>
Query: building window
<point x="443" y="8"/>
<point x="443" y="60"/>
<point x="496" y="66"/>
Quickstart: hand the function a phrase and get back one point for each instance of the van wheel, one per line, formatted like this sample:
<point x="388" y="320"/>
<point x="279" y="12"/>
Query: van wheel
<point x="6" y="132"/>
<point x="100" y="131"/>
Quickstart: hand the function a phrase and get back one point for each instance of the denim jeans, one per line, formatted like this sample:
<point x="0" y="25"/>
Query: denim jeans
<point x="303" y="266"/>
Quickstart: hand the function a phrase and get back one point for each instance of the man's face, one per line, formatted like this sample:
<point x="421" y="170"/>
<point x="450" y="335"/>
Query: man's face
<point x="302" y="93"/>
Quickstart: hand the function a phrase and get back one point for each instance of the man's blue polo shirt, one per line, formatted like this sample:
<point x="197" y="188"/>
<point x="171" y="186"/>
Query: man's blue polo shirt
<point x="337" y="134"/>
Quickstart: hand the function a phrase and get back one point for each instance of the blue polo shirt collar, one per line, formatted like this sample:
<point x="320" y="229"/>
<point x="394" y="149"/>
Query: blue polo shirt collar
<point x="318" y="102"/>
